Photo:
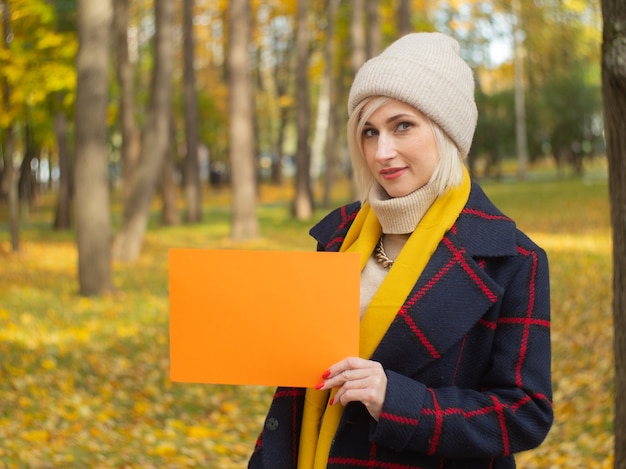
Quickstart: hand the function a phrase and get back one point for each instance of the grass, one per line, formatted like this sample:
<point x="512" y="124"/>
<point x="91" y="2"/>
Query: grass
<point x="84" y="381"/>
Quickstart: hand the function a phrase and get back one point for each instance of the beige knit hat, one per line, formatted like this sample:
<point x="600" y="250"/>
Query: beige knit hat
<point x="426" y="71"/>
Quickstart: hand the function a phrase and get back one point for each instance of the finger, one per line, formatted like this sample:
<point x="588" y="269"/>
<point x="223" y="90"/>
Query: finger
<point x="361" y="387"/>
<point x="363" y="390"/>
<point x="347" y="364"/>
<point x="346" y="376"/>
<point x="349" y="370"/>
<point x="370" y="391"/>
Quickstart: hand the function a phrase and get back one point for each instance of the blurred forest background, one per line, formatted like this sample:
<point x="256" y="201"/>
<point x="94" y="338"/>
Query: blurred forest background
<point x="212" y="123"/>
<point x="205" y="92"/>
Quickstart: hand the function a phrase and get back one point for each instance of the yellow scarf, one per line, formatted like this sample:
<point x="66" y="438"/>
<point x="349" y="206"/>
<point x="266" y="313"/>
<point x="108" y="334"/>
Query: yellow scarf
<point x="316" y="438"/>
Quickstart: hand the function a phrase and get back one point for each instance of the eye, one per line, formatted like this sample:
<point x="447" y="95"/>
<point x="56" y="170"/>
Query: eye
<point x="404" y="126"/>
<point x="369" y="132"/>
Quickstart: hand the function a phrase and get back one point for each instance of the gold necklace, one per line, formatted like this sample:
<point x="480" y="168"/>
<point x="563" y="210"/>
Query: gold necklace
<point x="381" y="255"/>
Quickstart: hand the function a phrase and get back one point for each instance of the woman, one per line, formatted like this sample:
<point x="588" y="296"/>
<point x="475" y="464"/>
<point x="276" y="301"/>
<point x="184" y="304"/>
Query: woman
<point x="454" y="366"/>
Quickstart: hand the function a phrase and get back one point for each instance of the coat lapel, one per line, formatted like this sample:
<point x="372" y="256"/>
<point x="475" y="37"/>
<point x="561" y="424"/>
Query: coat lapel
<point x="453" y="293"/>
<point x="451" y="296"/>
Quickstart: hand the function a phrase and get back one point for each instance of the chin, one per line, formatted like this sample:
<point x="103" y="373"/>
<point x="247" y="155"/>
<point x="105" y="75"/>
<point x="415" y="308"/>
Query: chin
<point x="396" y="193"/>
<point x="399" y="191"/>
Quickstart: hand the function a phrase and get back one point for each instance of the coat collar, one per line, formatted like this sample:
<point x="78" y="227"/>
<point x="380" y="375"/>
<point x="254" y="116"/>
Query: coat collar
<point x="452" y="295"/>
<point x="483" y="230"/>
<point x="434" y="318"/>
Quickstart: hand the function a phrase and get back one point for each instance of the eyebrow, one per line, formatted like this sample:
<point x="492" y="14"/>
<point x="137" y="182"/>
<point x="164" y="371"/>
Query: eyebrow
<point x="394" y="118"/>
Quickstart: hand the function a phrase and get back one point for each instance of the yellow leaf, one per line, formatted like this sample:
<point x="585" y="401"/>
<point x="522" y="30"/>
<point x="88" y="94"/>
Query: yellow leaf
<point x="177" y="424"/>
<point x="200" y="432"/>
<point x="229" y="407"/>
<point x="164" y="449"/>
<point x="221" y="449"/>
<point x="50" y="40"/>
<point x="49" y="364"/>
<point x="35" y="436"/>
<point x="24" y="402"/>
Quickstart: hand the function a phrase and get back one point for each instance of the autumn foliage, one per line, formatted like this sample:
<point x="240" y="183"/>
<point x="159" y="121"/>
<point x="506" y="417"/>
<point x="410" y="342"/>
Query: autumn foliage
<point x="84" y="382"/>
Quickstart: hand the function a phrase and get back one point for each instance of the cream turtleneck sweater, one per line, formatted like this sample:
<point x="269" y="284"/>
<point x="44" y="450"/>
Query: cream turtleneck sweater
<point x="398" y="217"/>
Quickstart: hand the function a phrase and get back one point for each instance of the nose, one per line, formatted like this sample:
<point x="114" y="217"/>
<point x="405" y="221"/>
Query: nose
<point x="384" y="147"/>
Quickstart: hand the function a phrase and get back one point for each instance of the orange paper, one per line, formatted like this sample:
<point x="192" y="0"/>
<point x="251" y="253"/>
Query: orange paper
<point x="261" y="317"/>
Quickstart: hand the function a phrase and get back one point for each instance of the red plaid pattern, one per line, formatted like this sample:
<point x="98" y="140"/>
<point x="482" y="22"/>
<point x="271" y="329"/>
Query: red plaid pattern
<point x="467" y="358"/>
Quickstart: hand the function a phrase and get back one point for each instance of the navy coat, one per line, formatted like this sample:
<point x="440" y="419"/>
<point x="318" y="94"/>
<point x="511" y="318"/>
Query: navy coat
<point x="467" y="358"/>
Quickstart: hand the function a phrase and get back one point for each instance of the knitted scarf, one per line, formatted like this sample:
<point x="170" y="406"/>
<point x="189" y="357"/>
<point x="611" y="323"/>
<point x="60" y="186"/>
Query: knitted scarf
<point x="320" y="420"/>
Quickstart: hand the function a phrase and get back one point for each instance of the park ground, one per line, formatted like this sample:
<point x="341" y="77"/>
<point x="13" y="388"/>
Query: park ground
<point x="84" y="382"/>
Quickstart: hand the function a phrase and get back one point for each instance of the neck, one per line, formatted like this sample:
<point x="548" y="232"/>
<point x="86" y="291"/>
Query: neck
<point x="398" y="215"/>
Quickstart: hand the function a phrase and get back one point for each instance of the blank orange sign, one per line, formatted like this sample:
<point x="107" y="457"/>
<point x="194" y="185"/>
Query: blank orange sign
<point x="261" y="317"/>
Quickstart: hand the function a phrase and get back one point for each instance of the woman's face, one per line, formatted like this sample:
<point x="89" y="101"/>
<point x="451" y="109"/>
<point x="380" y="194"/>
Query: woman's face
<point x="399" y="147"/>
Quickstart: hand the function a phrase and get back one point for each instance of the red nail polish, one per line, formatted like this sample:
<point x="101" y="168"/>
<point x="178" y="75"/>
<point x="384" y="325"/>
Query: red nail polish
<point x="326" y="374"/>
<point x="319" y="386"/>
<point x="332" y="400"/>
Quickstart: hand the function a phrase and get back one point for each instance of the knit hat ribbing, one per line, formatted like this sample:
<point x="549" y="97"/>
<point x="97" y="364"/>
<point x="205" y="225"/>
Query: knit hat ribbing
<point x="426" y="71"/>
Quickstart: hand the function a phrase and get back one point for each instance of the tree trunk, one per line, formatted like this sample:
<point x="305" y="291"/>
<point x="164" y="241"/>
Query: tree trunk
<point x="125" y="77"/>
<point x="403" y="16"/>
<point x="10" y="174"/>
<point x="169" y="188"/>
<point x="331" y="127"/>
<point x="13" y="195"/>
<point x="374" y="38"/>
<point x="322" y="120"/>
<point x="191" y="181"/>
<point x="614" y="93"/>
<point x="283" y="74"/>
<point x="277" y="168"/>
<point x="12" y="190"/>
<point x="154" y="146"/>
<point x="245" y="223"/>
<point x="520" y="93"/>
<point x="93" y="222"/>
<point x="62" y="217"/>
<point x="357" y="36"/>
<point x="27" y="183"/>
<point x="303" y="202"/>
<point x="358" y="47"/>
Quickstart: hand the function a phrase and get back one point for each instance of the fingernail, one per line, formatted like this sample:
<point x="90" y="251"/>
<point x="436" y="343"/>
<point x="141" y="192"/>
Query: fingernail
<point x="319" y="385"/>
<point x="332" y="400"/>
<point x="326" y="374"/>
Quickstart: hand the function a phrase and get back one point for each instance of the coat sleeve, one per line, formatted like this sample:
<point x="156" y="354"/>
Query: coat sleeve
<point x="511" y="411"/>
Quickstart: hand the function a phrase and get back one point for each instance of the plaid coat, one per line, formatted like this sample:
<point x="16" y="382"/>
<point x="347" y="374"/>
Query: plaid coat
<point x="467" y="358"/>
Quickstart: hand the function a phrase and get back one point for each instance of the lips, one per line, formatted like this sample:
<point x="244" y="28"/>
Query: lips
<point x="392" y="173"/>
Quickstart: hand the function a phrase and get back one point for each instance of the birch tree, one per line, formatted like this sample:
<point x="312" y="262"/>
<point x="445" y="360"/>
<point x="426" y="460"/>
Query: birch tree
<point x="245" y="224"/>
<point x="93" y="220"/>
<point x="129" y="128"/>
<point x="303" y="202"/>
<point x="192" y="189"/>
<point x="154" y="142"/>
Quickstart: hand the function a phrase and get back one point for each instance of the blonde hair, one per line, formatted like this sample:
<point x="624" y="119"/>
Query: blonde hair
<point x="447" y="174"/>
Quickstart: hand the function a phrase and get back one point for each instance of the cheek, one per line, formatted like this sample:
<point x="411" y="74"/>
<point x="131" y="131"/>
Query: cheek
<point x="434" y="158"/>
<point x="426" y="153"/>
<point x="369" y="154"/>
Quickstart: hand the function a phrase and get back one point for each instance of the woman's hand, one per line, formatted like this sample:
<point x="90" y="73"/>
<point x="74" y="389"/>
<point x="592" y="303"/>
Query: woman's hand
<point x="357" y="379"/>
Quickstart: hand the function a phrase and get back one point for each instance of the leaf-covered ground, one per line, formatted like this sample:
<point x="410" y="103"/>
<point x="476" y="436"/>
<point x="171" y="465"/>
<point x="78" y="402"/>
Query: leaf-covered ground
<point x="84" y="382"/>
